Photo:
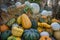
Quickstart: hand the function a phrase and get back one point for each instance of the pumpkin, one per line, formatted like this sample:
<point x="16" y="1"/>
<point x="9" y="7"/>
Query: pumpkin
<point x="34" y="23"/>
<point x="31" y="34"/>
<point x="19" y="20"/>
<point x="26" y="23"/>
<point x="4" y="28"/>
<point x="40" y="29"/>
<point x="10" y="22"/>
<point x="13" y="38"/>
<point x="45" y="25"/>
<point x="17" y="31"/>
<point x="45" y="38"/>
<point x="5" y="35"/>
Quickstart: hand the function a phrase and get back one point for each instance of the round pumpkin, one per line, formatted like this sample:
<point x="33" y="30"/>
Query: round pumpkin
<point x="13" y="38"/>
<point x="31" y="34"/>
<point x="5" y="35"/>
<point x="4" y="28"/>
<point x="54" y="20"/>
<point x="26" y="23"/>
<point x="45" y="38"/>
<point x="17" y="31"/>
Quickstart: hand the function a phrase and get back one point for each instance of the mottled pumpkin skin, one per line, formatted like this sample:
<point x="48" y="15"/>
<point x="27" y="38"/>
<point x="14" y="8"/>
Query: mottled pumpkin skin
<point x="45" y="38"/>
<point x="4" y="28"/>
<point x="34" y="23"/>
<point x="13" y="38"/>
<point x="16" y="31"/>
<point x="26" y="23"/>
<point x="5" y="35"/>
<point x="31" y="34"/>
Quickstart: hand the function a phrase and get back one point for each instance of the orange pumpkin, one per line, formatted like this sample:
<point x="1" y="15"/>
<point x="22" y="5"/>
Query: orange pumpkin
<point x="26" y="23"/>
<point x="45" y="38"/>
<point x="4" y="28"/>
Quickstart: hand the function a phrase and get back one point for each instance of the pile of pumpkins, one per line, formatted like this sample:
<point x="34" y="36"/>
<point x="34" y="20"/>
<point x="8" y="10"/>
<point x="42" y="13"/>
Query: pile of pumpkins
<point x="24" y="28"/>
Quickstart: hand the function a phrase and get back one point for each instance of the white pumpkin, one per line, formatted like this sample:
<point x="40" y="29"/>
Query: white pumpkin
<point x="35" y="8"/>
<point x="18" y="4"/>
<point x="55" y="26"/>
<point x="44" y="33"/>
<point x="27" y="3"/>
<point x="44" y="13"/>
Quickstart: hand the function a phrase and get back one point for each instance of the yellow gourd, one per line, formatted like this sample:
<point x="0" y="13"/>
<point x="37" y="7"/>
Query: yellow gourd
<point x="17" y="31"/>
<point x="19" y="20"/>
<point x="26" y="23"/>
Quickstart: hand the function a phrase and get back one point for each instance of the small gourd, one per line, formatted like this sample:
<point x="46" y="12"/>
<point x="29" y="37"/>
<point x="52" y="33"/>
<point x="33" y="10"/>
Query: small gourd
<point x="10" y="22"/>
<point x="45" y="36"/>
<point x="17" y="31"/>
<point x="19" y="20"/>
<point x="13" y="38"/>
<point x="4" y="28"/>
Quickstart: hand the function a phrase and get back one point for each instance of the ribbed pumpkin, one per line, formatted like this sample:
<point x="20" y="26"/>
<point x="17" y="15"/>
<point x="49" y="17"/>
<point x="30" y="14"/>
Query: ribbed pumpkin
<point x="10" y="22"/>
<point x="34" y="23"/>
<point x="4" y="28"/>
<point x="31" y="34"/>
<point x="45" y="38"/>
<point x="17" y="31"/>
<point x="26" y="23"/>
<point x="13" y="38"/>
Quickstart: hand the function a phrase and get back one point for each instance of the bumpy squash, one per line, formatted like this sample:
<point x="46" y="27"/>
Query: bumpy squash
<point x="40" y="29"/>
<point x="44" y="25"/>
<point x="45" y="38"/>
<point x="17" y="31"/>
<point x="5" y="35"/>
<point x="31" y="34"/>
<point x="54" y="20"/>
<point x="13" y="38"/>
<point x="10" y="22"/>
<point x="26" y="23"/>
<point x="4" y="28"/>
<point x="19" y="20"/>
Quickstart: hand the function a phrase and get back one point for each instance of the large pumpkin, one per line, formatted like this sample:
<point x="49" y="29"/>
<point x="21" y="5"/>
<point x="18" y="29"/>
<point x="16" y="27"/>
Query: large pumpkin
<point x="4" y="28"/>
<point x="10" y="22"/>
<point x="31" y="34"/>
<point x="5" y="35"/>
<point x="34" y="23"/>
<point x="26" y="23"/>
<point x="17" y="31"/>
<point x="13" y="38"/>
